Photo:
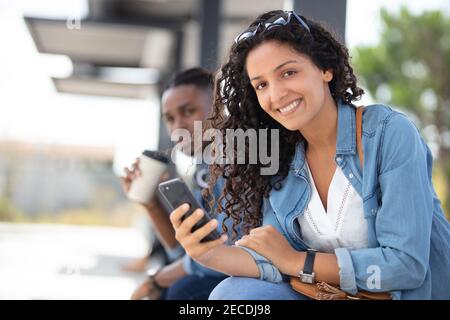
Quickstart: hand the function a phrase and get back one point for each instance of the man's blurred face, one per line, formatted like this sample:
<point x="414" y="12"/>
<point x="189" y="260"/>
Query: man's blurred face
<point x="184" y="104"/>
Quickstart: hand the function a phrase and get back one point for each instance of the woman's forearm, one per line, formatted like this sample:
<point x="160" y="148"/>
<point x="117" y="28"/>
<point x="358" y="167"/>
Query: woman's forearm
<point x="325" y="267"/>
<point x="230" y="260"/>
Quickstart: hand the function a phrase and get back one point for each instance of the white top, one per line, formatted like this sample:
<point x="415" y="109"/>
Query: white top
<point x="343" y="224"/>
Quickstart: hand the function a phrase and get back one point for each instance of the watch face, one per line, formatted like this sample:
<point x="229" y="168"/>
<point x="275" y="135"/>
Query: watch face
<point x="306" y="277"/>
<point x="152" y="271"/>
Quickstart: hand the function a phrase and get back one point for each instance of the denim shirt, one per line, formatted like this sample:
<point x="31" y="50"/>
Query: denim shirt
<point x="409" y="238"/>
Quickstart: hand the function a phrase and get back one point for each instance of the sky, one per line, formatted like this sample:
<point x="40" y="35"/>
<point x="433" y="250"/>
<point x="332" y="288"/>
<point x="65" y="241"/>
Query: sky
<point x="31" y="110"/>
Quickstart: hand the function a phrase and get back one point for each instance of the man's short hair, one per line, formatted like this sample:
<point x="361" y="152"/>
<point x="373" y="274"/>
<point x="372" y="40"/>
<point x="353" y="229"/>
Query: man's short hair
<point x="198" y="77"/>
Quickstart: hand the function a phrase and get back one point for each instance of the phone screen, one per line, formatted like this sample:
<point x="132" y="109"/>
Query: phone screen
<point x="175" y="192"/>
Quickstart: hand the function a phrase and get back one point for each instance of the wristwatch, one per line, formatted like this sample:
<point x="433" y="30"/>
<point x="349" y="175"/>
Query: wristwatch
<point x="307" y="275"/>
<point x="154" y="288"/>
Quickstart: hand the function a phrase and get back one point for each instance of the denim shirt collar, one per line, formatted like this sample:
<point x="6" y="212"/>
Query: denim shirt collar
<point x="346" y="136"/>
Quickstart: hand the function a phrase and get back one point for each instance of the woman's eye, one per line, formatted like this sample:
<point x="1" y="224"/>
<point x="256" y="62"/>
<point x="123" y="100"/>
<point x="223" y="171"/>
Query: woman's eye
<point x="288" y="73"/>
<point x="260" y="86"/>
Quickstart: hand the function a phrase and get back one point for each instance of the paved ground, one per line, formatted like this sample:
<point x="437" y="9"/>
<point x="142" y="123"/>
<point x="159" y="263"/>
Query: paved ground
<point x="68" y="262"/>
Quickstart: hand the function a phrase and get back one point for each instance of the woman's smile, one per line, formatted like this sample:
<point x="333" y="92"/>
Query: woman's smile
<point x="290" y="108"/>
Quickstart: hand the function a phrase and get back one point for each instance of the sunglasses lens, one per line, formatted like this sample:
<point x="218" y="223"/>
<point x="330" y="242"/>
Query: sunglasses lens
<point x="300" y="20"/>
<point x="246" y="34"/>
<point x="279" y="20"/>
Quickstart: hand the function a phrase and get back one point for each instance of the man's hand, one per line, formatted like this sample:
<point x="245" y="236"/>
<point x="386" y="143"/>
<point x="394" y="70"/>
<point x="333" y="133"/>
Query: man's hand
<point x="133" y="173"/>
<point x="146" y="290"/>
<point x="130" y="174"/>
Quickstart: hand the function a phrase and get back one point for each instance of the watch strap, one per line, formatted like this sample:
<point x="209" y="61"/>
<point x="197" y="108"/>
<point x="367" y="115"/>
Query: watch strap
<point x="309" y="261"/>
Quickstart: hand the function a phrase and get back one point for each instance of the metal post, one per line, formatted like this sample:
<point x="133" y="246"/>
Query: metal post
<point x="178" y="50"/>
<point x="332" y="13"/>
<point x="210" y="19"/>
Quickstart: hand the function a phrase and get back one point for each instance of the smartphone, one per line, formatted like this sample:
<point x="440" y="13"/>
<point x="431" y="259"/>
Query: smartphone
<point x="174" y="193"/>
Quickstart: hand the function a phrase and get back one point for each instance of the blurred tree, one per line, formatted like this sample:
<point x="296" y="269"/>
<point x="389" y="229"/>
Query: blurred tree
<point x="410" y="69"/>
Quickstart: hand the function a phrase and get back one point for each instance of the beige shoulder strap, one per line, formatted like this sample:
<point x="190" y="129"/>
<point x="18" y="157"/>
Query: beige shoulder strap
<point x="359" y="112"/>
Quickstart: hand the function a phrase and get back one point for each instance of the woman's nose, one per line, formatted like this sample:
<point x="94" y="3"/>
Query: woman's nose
<point x="278" y="93"/>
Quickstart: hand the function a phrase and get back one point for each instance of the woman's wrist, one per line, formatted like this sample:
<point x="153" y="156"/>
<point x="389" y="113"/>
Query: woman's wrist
<point x="294" y="263"/>
<point x="209" y="256"/>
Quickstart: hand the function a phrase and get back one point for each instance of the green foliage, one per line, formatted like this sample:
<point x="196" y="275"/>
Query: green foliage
<point x="410" y="69"/>
<point x="412" y="60"/>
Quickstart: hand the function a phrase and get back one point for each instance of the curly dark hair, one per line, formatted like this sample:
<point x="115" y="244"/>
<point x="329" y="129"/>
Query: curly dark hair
<point x="236" y="106"/>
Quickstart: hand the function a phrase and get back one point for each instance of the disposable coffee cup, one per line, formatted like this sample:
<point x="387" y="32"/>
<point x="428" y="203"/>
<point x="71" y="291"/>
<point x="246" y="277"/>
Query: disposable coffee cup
<point x="152" y="165"/>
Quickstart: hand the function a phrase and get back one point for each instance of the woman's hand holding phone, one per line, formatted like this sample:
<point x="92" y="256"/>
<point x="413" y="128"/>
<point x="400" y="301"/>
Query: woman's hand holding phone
<point x="191" y="241"/>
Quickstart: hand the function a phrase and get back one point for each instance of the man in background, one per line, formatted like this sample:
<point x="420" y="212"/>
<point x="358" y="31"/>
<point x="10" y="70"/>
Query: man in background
<point x="188" y="97"/>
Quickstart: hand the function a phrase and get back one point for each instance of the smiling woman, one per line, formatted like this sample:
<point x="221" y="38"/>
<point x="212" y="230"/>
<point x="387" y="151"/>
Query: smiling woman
<point x="294" y="80"/>
<point x="296" y="76"/>
<point x="360" y="218"/>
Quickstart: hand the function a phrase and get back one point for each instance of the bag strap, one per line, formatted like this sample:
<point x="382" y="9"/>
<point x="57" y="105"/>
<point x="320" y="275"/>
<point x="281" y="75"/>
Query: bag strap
<point x="322" y="290"/>
<point x="359" y="112"/>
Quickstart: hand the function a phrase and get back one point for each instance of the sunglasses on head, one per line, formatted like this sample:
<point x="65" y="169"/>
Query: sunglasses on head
<point x="279" y="20"/>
